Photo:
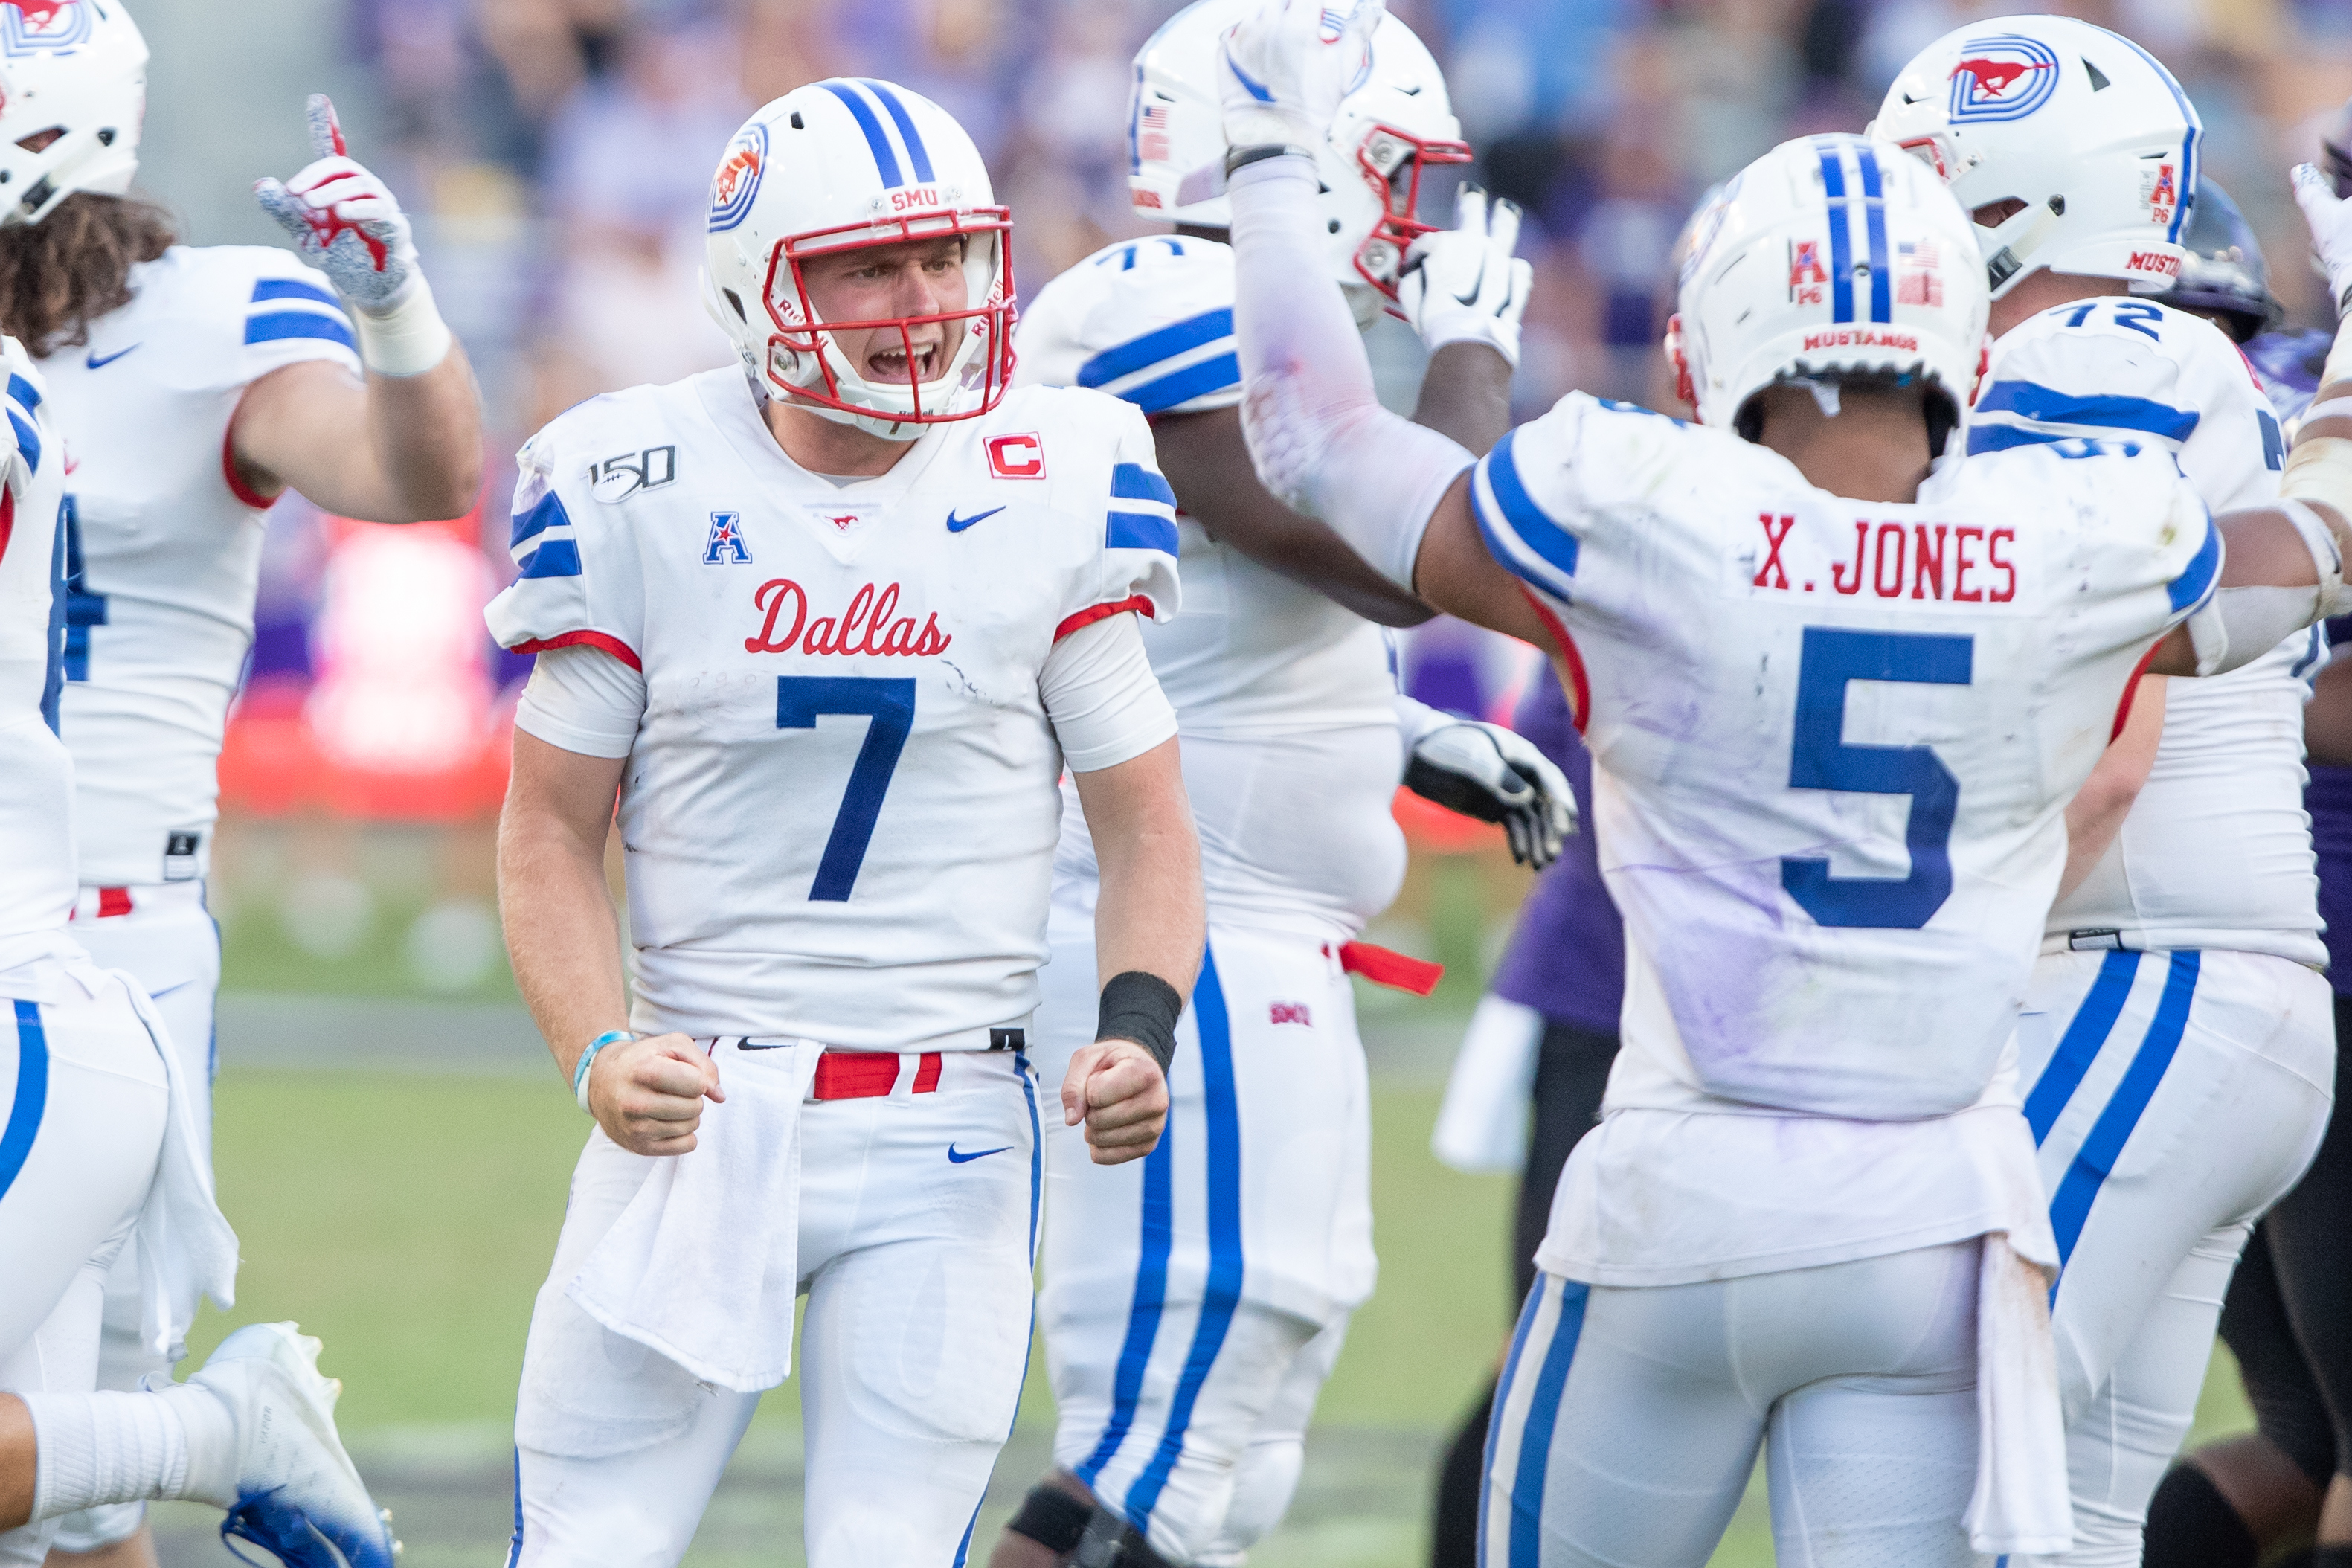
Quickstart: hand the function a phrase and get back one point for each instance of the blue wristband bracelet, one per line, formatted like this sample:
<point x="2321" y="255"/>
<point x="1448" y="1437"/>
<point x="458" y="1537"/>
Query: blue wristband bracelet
<point x="580" y="1068"/>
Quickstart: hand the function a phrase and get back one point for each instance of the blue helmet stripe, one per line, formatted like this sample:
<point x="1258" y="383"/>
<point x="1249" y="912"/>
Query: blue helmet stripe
<point x="1874" y="211"/>
<point x="2187" y="193"/>
<point x="884" y="160"/>
<point x="1840" y="243"/>
<point x="916" y="152"/>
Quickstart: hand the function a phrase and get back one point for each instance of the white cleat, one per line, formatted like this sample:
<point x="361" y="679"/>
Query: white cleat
<point x="297" y="1495"/>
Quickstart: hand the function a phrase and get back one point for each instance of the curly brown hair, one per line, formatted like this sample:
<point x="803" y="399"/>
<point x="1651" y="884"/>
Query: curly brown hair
<point x="59" y="275"/>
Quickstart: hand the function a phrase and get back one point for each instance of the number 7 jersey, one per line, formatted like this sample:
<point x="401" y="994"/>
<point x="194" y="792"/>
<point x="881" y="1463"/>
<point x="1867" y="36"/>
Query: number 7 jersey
<point x="1835" y="739"/>
<point x="840" y="806"/>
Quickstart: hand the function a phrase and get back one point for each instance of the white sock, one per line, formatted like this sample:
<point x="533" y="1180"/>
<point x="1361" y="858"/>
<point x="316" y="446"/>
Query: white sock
<point x="108" y="1448"/>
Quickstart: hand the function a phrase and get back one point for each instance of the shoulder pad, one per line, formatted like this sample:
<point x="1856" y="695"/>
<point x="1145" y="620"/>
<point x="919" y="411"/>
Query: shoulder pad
<point x="1148" y="321"/>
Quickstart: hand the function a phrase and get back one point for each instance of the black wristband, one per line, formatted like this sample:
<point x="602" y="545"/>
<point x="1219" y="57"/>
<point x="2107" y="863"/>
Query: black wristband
<point x="1240" y="157"/>
<point x="1143" y="1008"/>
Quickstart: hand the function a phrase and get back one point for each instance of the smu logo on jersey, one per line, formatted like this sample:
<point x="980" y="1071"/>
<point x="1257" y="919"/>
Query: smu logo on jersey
<point x="1021" y="457"/>
<point x="867" y="627"/>
<point x="726" y="547"/>
<point x="29" y="26"/>
<point x="737" y="182"/>
<point x="2002" y="77"/>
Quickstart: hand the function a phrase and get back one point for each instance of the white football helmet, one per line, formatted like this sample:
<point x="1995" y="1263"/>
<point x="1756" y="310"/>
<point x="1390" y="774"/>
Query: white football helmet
<point x="1395" y="121"/>
<point x="2079" y="125"/>
<point x="1828" y="256"/>
<point x="841" y="165"/>
<point x="73" y="82"/>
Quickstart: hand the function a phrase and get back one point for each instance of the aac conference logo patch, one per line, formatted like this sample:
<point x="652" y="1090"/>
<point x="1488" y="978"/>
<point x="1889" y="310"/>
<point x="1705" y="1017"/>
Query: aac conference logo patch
<point x="738" y="179"/>
<point x="2005" y="77"/>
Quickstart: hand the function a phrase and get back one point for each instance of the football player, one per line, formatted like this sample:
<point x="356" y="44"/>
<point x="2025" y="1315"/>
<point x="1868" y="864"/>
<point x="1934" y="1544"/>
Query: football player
<point x="1194" y="1303"/>
<point x="99" y="1145"/>
<point x="1838" y="696"/>
<point x="2177" y="1043"/>
<point x="833" y="622"/>
<point x="190" y="387"/>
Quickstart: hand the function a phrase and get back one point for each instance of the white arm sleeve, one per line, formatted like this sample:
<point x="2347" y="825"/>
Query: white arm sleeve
<point x="1319" y="437"/>
<point x="1105" y="704"/>
<point x="583" y="700"/>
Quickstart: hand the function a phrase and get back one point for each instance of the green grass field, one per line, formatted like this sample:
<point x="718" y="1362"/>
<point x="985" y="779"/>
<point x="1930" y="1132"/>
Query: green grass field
<point x="408" y="1218"/>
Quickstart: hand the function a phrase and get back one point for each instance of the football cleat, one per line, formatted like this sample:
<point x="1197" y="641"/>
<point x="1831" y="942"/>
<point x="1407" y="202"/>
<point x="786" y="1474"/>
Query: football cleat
<point x="298" y="1494"/>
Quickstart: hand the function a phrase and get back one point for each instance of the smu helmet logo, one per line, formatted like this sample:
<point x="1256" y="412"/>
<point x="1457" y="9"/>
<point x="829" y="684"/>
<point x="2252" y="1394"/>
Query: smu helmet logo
<point x="2002" y="77"/>
<point x="726" y="547"/>
<point x="738" y="179"/>
<point x="1021" y="457"/>
<point x="30" y="26"/>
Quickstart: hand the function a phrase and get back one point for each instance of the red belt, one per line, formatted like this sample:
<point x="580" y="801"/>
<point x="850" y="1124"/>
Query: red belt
<point x="869" y="1075"/>
<point x="113" y="901"/>
<point x="1384" y="966"/>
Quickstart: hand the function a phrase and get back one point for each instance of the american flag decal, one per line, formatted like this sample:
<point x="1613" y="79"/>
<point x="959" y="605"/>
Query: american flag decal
<point x="1151" y="125"/>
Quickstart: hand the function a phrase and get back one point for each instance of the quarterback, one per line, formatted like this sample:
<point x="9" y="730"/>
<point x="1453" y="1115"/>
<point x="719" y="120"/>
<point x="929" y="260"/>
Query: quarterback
<point x="1194" y="1303"/>
<point x="99" y="1148"/>
<point x="2176" y="1044"/>
<point x="1838" y="695"/>
<point x="190" y="387"/>
<point x="833" y="623"/>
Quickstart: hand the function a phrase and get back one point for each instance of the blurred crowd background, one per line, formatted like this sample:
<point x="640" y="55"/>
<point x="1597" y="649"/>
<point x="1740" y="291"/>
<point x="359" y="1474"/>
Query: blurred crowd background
<point x="558" y="152"/>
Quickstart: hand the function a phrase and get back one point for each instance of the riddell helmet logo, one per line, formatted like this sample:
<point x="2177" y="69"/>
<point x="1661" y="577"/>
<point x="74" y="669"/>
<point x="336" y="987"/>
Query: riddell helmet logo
<point x="2006" y="76"/>
<point x="1021" y="457"/>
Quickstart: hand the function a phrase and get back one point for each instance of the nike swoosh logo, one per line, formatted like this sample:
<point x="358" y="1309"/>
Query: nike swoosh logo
<point x="956" y="1159"/>
<point x="1256" y="89"/>
<point x="1475" y="284"/>
<point x="958" y="524"/>
<point x="95" y="363"/>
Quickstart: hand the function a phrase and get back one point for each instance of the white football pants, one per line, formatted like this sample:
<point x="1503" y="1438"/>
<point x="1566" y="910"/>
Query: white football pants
<point x="2175" y="1097"/>
<point x="1195" y="1301"/>
<point x="1627" y="1420"/>
<point x="170" y="943"/>
<point x="912" y="1349"/>
<point x="83" y="1104"/>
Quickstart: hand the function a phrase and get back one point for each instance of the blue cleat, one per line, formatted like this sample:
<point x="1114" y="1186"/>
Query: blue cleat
<point x="297" y="1495"/>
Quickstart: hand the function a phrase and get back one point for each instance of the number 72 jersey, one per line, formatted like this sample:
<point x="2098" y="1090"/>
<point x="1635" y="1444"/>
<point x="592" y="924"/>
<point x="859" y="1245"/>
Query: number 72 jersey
<point x="1834" y="740"/>
<point x="840" y="800"/>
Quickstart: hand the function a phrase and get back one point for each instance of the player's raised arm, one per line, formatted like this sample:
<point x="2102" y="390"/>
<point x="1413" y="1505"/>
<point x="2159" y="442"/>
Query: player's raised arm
<point x="403" y="445"/>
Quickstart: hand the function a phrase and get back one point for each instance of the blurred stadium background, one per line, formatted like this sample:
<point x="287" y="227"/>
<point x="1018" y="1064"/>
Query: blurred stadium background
<point x="392" y="1145"/>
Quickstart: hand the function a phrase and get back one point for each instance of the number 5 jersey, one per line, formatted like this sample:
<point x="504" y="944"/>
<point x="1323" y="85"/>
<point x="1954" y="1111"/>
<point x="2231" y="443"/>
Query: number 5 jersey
<point x="1833" y="745"/>
<point x="845" y="704"/>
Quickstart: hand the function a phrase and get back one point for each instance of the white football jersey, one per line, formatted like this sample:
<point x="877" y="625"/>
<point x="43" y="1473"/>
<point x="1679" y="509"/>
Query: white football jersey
<point x="2216" y="851"/>
<point x="37" y="830"/>
<point x="1284" y="698"/>
<point x="839" y="812"/>
<point x="163" y="550"/>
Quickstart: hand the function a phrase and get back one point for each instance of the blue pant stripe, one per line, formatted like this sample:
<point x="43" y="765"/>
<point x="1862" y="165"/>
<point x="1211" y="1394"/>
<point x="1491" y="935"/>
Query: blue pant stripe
<point x="1495" y="1416"/>
<point x="1036" y="1181"/>
<point x="1144" y="1309"/>
<point x="2096" y="1158"/>
<point x="514" y="1547"/>
<point x="32" y="1093"/>
<point x="1221" y="1292"/>
<point x="2085" y="1034"/>
<point x="1543" y="1415"/>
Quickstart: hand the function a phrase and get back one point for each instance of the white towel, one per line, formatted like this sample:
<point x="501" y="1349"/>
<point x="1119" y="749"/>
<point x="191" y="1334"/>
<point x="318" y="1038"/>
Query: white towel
<point x="1483" y="1124"/>
<point x="2021" y="1505"/>
<point x="704" y="1265"/>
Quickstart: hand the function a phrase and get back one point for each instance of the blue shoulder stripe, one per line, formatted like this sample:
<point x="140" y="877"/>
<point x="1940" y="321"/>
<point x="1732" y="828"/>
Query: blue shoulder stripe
<point x="1141" y="353"/>
<point x="279" y="325"/>
<point x="2196" y="580"/>
<point x="884" y="160"/>
<point x="1527" y="520"/>
<point x="296" y="288"/>
<point x="1141" y="531"/>
<point x="24" y="392"/>
<point x="1183" y="385"/>
<point x="548" y="513"/>
<point x="28" y="438"/>
<point x="2048" y="405"/>
<point x="916" y="153"/>
<point x="1133" y="481"/>
<point x="556" y="558"/>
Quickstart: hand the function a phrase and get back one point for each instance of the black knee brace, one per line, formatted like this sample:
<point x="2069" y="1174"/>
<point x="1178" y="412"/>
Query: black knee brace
<point x="1052" y="1518"/>
<point x="1110" y="1542"/>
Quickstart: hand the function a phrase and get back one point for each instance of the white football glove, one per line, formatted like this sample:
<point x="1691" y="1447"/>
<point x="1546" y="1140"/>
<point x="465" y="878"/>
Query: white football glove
<point x="345" y="221"/>
<point x="2330" y="217"/>
<point x="1489" y="772"/>
<point x="1286" y="67"/>
<point x="1463" y="285"/>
